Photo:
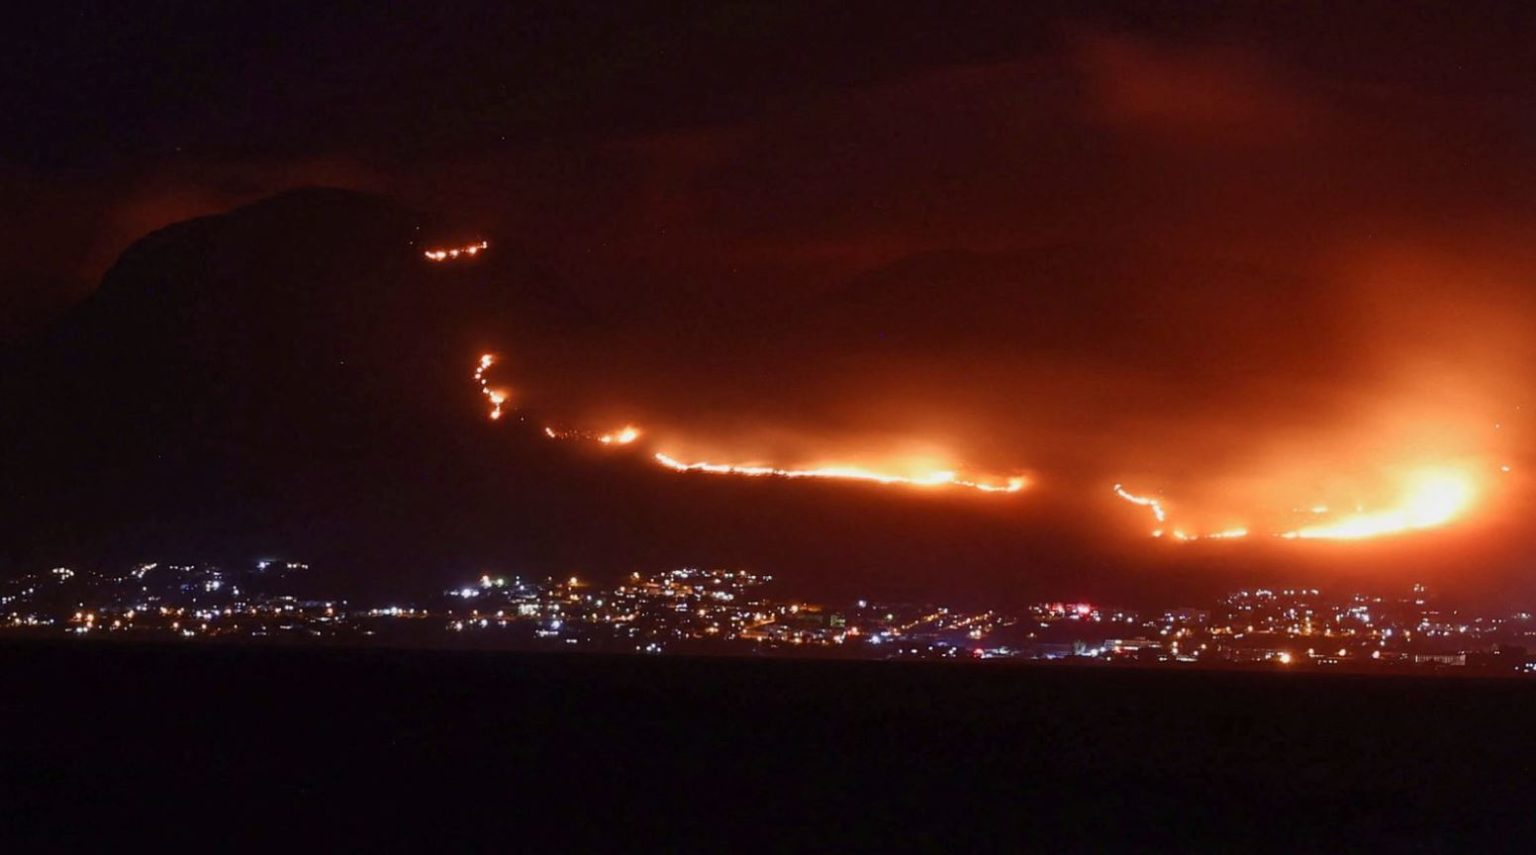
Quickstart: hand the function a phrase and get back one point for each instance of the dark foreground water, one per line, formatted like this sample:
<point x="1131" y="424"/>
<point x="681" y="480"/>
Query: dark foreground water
<point x="217" y="746"/>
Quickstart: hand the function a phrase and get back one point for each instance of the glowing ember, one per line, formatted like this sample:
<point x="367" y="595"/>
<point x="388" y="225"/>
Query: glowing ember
<point x="935" y="479"/>
<point x="454" y="253"/>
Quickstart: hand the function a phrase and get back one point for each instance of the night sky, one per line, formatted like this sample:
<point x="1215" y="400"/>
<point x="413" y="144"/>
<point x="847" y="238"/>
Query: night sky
<point x="1248" y="258"/>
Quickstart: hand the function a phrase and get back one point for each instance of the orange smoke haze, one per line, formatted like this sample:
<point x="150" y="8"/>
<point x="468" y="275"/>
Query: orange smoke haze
<point x="1276" y="290"/>
<point x="1389" y="499"/>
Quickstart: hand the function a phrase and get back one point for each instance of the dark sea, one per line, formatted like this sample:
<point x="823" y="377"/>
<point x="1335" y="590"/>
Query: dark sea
<point x="215" y="748"/>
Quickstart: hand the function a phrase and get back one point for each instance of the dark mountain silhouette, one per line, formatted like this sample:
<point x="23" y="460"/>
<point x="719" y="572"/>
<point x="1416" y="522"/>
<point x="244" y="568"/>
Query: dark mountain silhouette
<point x="269" y="378"/>
<point x="291" y="378"/>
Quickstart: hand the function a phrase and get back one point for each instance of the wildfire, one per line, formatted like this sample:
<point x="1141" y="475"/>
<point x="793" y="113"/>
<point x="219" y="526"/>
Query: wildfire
<point x="456" y="252"/>
<point x="496" y="396"/>
<point x="623" y="437"/>
<point x="1185" y="537"/>
<point x="1434" y="498"/>
<point x="1431" y="496"/>
<point x="1146" y="502"/>
<point x="629" y="434"/>
<point x="934" y="479"/>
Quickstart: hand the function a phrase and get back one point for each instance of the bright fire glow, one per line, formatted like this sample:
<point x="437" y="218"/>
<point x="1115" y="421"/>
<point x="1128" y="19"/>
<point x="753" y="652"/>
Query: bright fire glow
<point x="1157" y="507"/>
<point x="623" y="437"/>
<point x="1434" y="498"/>
<point x="629" y="434"/>
<point x="456" y="252"/>
<point x="496" y="396"/>
<point x="1185" y="537"/>
<point x="934" y="479"/>
<point x="1430" y="497"/>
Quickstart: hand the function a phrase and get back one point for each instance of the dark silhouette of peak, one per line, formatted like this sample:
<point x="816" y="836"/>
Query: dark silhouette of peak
<point x="243" y="374"/>
<point x="306" y="245"/>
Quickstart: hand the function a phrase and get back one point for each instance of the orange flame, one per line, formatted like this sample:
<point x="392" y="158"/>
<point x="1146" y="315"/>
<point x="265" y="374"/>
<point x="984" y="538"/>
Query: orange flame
<point x="935" y="479"/>
<point x="1435" y="497"/>
<point x="1160" y="514"/>
<point x="623" y="437"/>
<point x="496" y="396"/>
<point x="454" y="253"/>
<point x="629" y="434"/>
<point x="1157" y="507"/>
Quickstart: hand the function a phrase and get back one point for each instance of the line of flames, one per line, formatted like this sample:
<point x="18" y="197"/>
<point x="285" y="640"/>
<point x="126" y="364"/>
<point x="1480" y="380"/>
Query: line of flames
<point x="1437" y="497"/>
<point x="456" y="252"/>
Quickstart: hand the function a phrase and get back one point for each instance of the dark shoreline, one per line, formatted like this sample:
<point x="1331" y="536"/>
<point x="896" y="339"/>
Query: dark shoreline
<point x="602" y="751"/>
<point x="742" y="652"/>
